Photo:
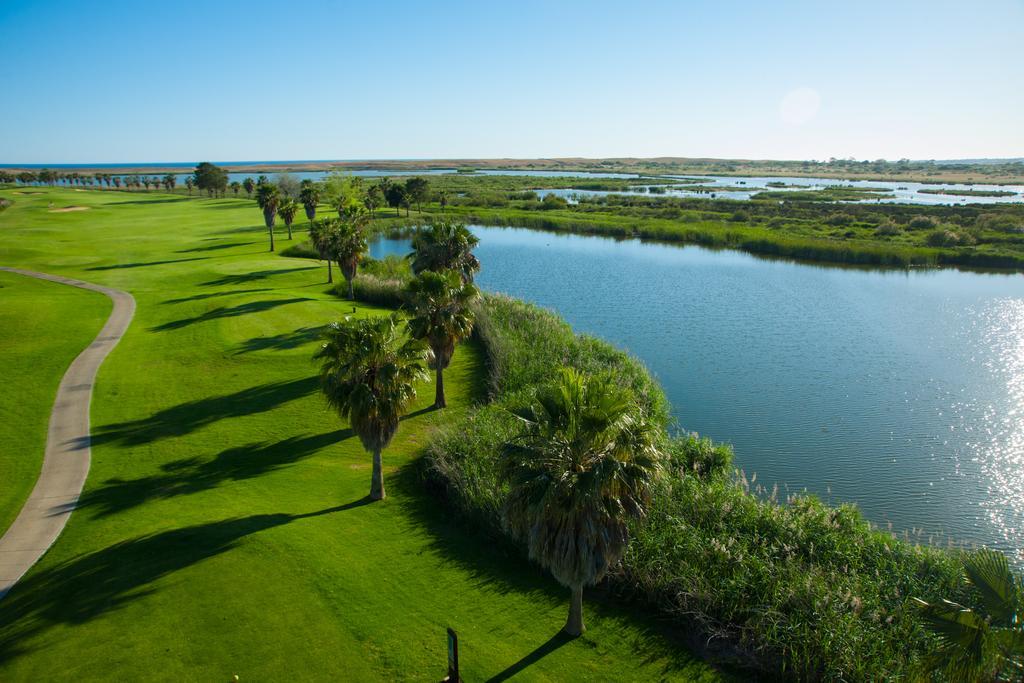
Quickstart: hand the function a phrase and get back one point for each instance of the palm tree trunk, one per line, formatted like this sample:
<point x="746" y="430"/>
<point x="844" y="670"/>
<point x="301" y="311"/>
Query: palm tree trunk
<point x="351" y="293"/>
<point x="574" y="626"/>
<point x="289" y="231"/>
<point x="330" y="275"/>
<point x="271" y="231"/>
<point x="377" y="481"/>
<point x="439" y="401"/>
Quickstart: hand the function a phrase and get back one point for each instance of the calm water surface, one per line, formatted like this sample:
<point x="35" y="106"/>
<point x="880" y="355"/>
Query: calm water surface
<point x="900" y="391"/>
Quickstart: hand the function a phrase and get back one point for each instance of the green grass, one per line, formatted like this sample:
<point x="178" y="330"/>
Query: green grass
<point x="43" y="326"/>
<point x="223" y="528"/>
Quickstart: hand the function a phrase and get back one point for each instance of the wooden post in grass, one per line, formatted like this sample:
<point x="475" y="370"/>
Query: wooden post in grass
<point x="453" y="657"/>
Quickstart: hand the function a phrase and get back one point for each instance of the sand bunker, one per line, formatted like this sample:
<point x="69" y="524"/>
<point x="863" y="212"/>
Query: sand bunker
<point x="70" y="208"/>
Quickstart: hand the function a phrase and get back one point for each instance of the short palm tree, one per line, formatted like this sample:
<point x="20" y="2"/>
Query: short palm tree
<point x="347" y="247"/>
<point x="440" y="306"/>
<point x="583" y="466"/>
<point x="287" y="210"/>
<point x="322" y="236"/>
<point x="368" y="373"/>
<point x="249" y="185"/>
<point x="309" y="196"/>
<point x="445" y="245"/>
<point x="973" y="646"/>
<point x="269" y="199"/>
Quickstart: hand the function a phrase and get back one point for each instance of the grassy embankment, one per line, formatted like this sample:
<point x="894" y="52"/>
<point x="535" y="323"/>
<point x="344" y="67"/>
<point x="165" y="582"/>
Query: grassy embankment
<point x="43" y="327"/>
<point x="223" y="529"/>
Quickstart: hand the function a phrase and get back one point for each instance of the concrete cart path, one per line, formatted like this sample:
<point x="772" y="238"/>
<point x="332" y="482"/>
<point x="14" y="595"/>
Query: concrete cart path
<point x="66" y="463"/>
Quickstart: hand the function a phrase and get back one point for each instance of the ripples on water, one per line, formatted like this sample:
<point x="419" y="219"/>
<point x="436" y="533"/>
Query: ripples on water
<point x="900" y="391"/>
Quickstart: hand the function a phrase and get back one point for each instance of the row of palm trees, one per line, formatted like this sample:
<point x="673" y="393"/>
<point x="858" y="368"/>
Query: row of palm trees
<point x="585" y="459"/>
<point x="93" y="180"/>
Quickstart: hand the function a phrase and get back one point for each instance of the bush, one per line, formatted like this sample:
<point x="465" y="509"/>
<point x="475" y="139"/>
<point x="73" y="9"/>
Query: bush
<point x="300" y="250"/>
<point x="374" y="290"/>
<point x="739" y="217"/>
<point x="999" y="223"/>
<point x="690" y="454"/>
<point x="391" y="267"/>
<point x="552" y="202"/>
<point x="922" y="223"/>
<point x="840" y="219"/>
<point x="888" y="229"/>
<point x="946" y="236"/>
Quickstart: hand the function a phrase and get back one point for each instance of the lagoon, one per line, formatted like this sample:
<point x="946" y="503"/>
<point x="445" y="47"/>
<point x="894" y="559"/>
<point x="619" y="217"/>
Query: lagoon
<point x="901" y="391"/>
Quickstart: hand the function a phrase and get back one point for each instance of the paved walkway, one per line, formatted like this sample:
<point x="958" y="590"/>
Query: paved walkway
<point x="66" y="463"/>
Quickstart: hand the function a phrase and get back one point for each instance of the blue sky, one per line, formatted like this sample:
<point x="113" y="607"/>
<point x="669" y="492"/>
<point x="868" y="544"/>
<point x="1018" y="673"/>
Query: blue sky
<point x="182" y="81"/>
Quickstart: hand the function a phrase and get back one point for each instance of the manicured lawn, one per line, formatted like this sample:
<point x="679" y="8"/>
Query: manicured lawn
<point x="43" y="326"/>
<point x="224" y="529"/>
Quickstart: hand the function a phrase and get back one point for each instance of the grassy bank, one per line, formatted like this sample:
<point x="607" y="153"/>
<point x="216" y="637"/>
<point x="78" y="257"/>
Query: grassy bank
<point x="789" y="588"/>
<point x="43" y="327"/>
<point x="224" y="528"/>
<point x="806" y="231"/>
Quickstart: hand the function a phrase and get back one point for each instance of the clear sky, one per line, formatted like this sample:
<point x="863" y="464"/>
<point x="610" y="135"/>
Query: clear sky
<point x="182" y="81"/>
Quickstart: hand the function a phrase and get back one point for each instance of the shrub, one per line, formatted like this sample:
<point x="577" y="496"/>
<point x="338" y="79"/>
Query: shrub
<point x="888" y="229"/>
<point x="553" y="201"/>
<point x="922" y="223"/>
<point x="691" y="454"/>
<point x="999" y="223"/>
<point x="946" y="236"/>
<point x="840" y="219"/>
<point x="739" y="217"/>
<point x="300" y="250"/>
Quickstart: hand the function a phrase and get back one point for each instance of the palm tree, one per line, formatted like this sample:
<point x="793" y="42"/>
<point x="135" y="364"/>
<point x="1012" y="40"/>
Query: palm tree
<point x="288" y="208"/>
<point x="269" y="198"/>
<point x="347" y="247"/>
<point x="236" y="187"/>
<point x="445" y="245"/>
<point x="310" y="198"/>
<point x="368" y="373"/>
<point x="584" y="464"/>
<point x="170" y="181"/>
<point x="249" y="184"/>
<point x="442" y="199"/>
<point x="190" y="183"/>
<point x="322" y="237"/>
<point x="973" y="646"/>
<point x="440" y="305"/>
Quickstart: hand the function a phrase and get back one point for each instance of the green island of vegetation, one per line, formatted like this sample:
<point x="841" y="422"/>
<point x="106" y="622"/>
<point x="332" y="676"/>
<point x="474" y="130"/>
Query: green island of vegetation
<point x="229" y="484"/>
<point x="968" y="193"/>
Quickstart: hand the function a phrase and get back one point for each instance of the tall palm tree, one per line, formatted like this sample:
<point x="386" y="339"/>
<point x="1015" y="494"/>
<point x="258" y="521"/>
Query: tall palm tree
<point x="310" y="198"/>
<point x="973" y="646"/>
<point x="269" y="199"/>
<point x="249" y="185"/>
<point x="368" y="373"/>
<point x="445" y="245"/>
<point x="348" y="246"/>
<point x="440" y="305"/>
<point x="322" y="237"/>
<point x="287" y="209"/>
<point x="583" y="465"/>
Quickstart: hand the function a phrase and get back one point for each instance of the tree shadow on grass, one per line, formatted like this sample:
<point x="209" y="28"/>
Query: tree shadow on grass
<point x="494" y="561"/>
<point x="194" y="475"/>
<point x="214" y="247"/>
<point x="212" y="295"/>
<point x="119" y="266"/>
<point x="550" y="645"/>
<point x="186" y="418"/>
<point x="243" y="278"/>
<point x="150" y="201"/>
<point x="283" y="341"/>
<point x="228" y="312"/>
<point x="91" y="585"/>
